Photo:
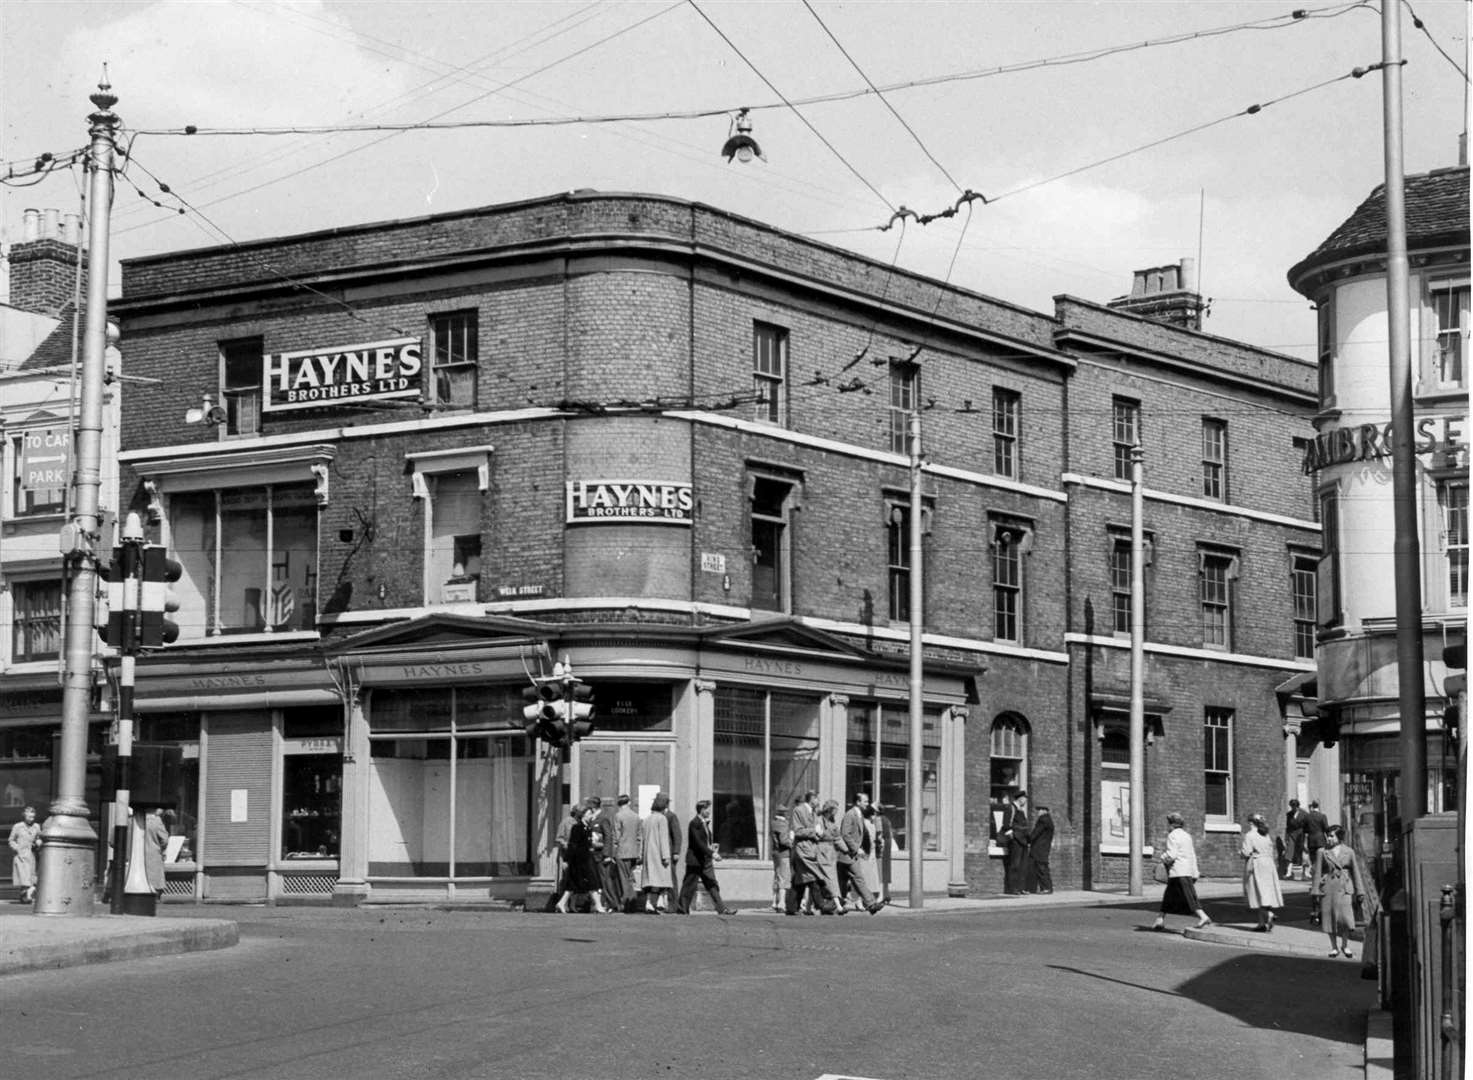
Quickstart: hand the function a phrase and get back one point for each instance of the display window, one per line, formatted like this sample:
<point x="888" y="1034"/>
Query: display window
<point x="878" y="761"/>
<point x="766" y="755"/>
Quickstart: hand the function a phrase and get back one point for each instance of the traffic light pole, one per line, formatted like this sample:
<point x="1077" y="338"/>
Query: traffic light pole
<point x="129" y="565"/>
<point x="64" y="884"/>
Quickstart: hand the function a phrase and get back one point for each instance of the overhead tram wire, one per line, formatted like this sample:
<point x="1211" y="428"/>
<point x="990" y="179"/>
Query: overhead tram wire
<point x="880" y="94"/>
<point x="1278" y="22"/>
<point x="455" y="108"/>
<point x="796" y="112"/>
<point x="1420" y="25"/>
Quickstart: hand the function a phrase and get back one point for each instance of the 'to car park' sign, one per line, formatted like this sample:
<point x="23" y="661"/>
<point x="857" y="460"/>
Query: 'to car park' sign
<point x="340" y="374"/>
<point x="43" y="457"/>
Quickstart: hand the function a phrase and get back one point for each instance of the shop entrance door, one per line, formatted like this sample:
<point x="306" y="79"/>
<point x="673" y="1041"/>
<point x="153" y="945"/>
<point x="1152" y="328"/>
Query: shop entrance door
<point x="608" y="769"/>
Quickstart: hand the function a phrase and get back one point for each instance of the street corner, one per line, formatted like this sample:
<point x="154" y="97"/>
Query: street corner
<point x="1281" y="939"/>
<point x="43" y="944"/>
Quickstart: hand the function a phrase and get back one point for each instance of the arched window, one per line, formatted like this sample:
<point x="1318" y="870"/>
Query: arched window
<point x="1009" y="753"/>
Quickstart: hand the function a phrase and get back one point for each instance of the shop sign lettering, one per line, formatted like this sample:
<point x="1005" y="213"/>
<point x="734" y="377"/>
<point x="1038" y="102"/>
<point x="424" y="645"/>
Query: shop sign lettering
<point x="519" y="590"/>
<point x="43" y="455"/>
<point x="772" y="667"/>
<point x="1444" y="435"/>
<point x="324" y="378"/>
<point x="427" y="672"/>
<point x="227" y="682"/>
<point x="642" y="501"/>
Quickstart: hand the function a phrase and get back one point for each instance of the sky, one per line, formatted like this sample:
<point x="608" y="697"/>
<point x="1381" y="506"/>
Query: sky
<point x="1106" y="137"/>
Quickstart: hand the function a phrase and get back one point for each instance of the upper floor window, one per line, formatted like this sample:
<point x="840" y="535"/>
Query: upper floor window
<point x="1450" y="351"/>
<point x="771" y="555"/>
<point x="1006" y="408"/>
<point x="1120" y="577"/>
<point x="1214" y="459"/>
<point x="1303" y="579"/>
<point x="1217" y="576"/>
<point x="1009" y="544"/>
<point x="905" y="382"/>
<point x="241" y="369"/>
<point x="38" y="471"/>
<point x="453" y="359"/>
<point x="1125" y="417"/>
<point x="1325" y="349"/>
<point x="897" y="539"/>
<point x="1327" y="581"/>
<point x="1217" y="765"/>
<point x="453" y="550"/>
<point x="36" y="618"/>
<point x="1454" y="500"/>
<point x="770" y="372"/>
<point x="249" y="559"/>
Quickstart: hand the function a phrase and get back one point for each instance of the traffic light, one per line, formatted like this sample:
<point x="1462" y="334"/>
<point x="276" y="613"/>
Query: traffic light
<point x="157" y="600"/>
<point x="580" y="718"/>
<point x="116" y="617"/>
<point x="545" y="712"/>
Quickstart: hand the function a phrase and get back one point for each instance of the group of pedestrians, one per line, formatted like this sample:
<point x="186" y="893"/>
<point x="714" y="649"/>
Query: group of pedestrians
<point x="827" y="863"/>
<point x="1337" y="880"/>
<point x="624" y="863"/>
<point x="1027" y="846"/>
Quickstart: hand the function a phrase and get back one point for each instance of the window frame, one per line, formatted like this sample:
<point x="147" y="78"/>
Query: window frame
<point x="1125" y="421"/>
<point x="241" y="399"/>
<point x="1218" y="719"/>
<point x="770" y="344"/>
<point x="426" y="467"/>
<point x="1325" y="350"/>
<point x="897" y="559"/>
<point x="1010" y="543"/>
<point x="1217" y="600"/>
<point x="781" y="524"/>
<point x="1304" y="594"/>
<point x="23" y="622"/>
<point x="1447" y="298"/>
<point x="1007" y="414"/>
<point x="1329" y="595"/>
<point x="1454" y="537"/>
<point x="1005" y="728"/>
<point x="905" y="396"/>
<point x="442" y="325"/>
<point x="1214" y="459"/>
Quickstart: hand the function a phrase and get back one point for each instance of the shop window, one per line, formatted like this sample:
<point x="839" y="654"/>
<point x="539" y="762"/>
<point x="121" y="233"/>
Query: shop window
<point x="1217" y="573"/>
<point x="1217" y="767"/>
<point x="1214" y="459"/>
<point x="1125" y="423"/>
<point x="766" y="755"/>
<point x="905" y="388"/>
<point x="179" y="730"/>
<point x="877" y="760"/>
<point x="1114" y="789"/>
<point x="1007" y="406"/>
<point x="1453" y="500"/>
<point x="452" y="796"/>
<point x="453" y="359"/>
<point x="1449" y="367"/>
<point x="249" y="559"/>
<point x="770" y="372"/>
<point x="241" y="373"/>
<point x="311" y="805"/>
<point x="36" y="620"/>
<point x="1008" y="751"/>
<point x="1303" y="576"/>
<point x="771" y="543"/>
<point x="38" y="469"/>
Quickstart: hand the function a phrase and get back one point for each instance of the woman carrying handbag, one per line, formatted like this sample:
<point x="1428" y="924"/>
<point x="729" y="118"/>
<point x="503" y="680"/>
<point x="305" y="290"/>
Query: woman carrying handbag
<point x="1178" y="867"/>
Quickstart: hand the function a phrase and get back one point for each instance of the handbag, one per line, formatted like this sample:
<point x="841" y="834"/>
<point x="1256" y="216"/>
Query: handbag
<point x="1160" y="874"/>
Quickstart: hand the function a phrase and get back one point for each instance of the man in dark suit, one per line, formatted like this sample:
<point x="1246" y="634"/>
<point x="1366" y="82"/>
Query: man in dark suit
<point x="1040" y="845"/>
<point x="1315" y="826"/>
<point x="1295" y="822"/>
<point x="1013" y="836"/>
<point x="700" y="863"/>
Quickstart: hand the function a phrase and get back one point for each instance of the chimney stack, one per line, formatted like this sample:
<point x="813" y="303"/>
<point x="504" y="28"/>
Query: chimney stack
<point x="43" y="266"/>
<point x="1167" y="294"/>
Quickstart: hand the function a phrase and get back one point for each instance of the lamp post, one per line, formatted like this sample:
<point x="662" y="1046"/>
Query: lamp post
<point x="68" y="840"/>
<point x="914" y="840"/>
<point x="1137" y="670"/>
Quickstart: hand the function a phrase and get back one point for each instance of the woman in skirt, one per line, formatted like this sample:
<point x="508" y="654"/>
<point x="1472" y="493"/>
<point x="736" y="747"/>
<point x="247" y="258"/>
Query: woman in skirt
<point x="1337" y="885"/>
<point x="1180" y="860"/>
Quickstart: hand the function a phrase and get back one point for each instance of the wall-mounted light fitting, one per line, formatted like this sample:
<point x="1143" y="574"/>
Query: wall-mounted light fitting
<point x="207" y="413"/>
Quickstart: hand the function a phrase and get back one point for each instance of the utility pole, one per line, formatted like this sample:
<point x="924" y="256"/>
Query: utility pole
<point x="1137" y="670"/>
<point x="68" y="840"/>
<point x="914" y="839"/>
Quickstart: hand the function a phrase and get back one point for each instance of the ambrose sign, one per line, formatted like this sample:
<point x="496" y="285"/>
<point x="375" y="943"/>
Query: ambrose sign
<point x="638" y="501"/>
<point x="324" y="378"/>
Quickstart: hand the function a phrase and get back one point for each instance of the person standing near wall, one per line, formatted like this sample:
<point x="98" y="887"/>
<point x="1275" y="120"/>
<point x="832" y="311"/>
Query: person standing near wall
<point x="1014" y="839"/>
<point x="25" y="838"/>
<point x="1295" y="822"/>
<point x="1040" y="847"/>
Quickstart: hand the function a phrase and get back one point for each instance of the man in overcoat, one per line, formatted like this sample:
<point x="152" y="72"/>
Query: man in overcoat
<point x="855" y="850"/>
<point x="1013" y="836"/>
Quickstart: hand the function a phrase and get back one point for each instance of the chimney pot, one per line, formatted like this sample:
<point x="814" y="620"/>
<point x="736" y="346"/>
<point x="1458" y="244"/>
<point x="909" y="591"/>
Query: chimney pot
<point x="32" y="226"/>
<point x="49" y="222"/>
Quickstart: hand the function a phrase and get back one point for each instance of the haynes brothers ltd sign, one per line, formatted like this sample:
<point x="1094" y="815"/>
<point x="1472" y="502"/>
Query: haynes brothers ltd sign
<point x="341" y="374"/>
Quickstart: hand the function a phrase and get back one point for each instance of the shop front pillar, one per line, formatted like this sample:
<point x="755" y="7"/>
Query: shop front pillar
<point x="834" y="732"/>
<point x="953" y="796"/>
<point x="702" y="742"/>
<point x="1291" y="759"/>
<point x="352" y="885"/>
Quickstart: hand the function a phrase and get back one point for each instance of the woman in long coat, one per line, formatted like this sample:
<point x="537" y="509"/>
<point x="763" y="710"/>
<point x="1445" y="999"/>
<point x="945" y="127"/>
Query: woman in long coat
<point x="828" y="856"/>
<point x="656" y="870"/>
<point x="1337" y="884"/>
<point x="1260" y="874"/>
<point x="25" y="837"/>
<point x="583" y="876"/>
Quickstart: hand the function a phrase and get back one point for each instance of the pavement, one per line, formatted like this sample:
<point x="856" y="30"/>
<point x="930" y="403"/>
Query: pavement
<point x="30" y="942"/>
